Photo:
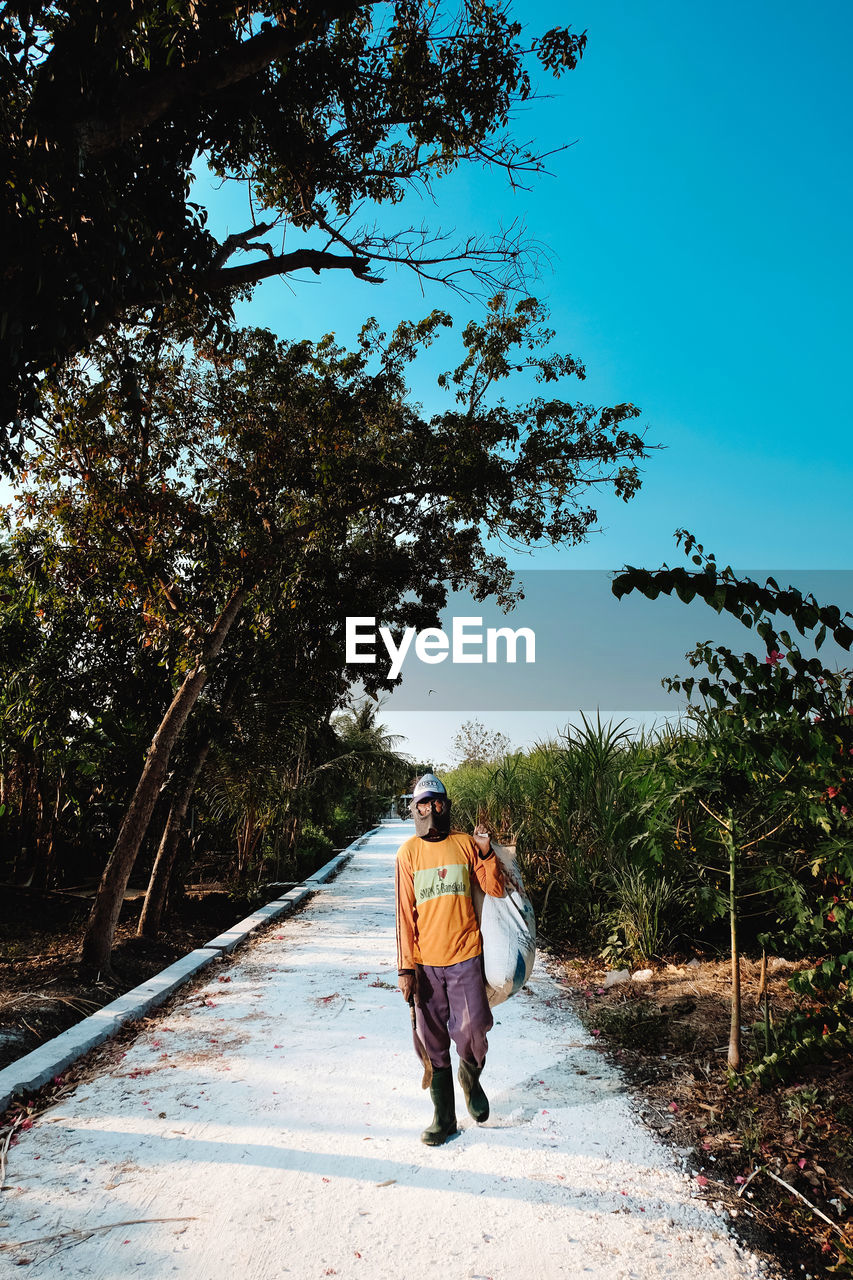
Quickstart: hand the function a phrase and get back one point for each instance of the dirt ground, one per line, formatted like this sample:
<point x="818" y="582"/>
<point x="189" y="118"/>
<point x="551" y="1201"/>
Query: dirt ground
<point x="669" y="1034"/>
<point x="41" y="991"/>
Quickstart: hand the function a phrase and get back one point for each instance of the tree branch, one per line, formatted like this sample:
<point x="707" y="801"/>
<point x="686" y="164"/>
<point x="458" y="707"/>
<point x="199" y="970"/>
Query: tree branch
<point x="239" y="240"/>
<point x="153" y="98"/>
<point x="315" y="259"/>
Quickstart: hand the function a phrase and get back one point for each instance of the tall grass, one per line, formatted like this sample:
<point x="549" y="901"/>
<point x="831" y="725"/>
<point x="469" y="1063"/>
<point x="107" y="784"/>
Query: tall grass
<point x="645" y="918"/>
<point x="594" y="820"/>
<point x="619" y="840"/>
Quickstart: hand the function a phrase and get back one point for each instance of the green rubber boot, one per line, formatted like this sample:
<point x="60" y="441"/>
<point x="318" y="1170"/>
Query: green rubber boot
<point x="444" y="1120"/>
<point x="475" y="1099"/>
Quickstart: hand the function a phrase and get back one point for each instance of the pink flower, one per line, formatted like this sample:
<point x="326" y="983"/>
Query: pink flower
<point x="701" y="1180"/>
<point x="832" y="792"/>
<point x="773" y="657"/>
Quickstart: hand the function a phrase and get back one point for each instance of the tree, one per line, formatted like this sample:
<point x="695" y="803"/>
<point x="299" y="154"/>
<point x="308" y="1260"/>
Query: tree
<point x="369" y="759"/>
<point x="323" y="111"/>
<point x="75" y="690"/>
<point x="776" y="732"/>
<point x="475" y="744"/>
<point x="275" y="758"/>
<point x="215" y="482"/>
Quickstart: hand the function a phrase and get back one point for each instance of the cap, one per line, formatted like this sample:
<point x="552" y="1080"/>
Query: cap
<point x="429" y="787"/>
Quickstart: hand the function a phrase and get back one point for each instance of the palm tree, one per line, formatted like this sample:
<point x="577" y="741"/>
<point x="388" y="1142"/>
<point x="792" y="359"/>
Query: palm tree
<point x="369" y="760"/>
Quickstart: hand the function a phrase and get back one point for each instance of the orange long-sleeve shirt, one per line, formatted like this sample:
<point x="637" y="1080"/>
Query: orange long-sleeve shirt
<point x="436" y="921"/>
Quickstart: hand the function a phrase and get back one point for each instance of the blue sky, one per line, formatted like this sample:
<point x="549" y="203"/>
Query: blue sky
<point x="699" y="229"/>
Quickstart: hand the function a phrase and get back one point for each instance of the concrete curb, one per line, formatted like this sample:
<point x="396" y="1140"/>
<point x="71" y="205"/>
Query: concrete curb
<point x="52" y="1058"/>
<point x="55" y="1056"/>
<point x="231" y="938"/>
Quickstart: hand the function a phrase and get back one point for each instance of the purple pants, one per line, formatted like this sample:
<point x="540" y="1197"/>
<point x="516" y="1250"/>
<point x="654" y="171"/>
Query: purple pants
<point x="451" y="1001"/>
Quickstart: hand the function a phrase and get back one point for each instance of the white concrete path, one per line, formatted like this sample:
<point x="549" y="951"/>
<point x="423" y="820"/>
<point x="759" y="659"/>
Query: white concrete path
<point x="280" y="1110"/>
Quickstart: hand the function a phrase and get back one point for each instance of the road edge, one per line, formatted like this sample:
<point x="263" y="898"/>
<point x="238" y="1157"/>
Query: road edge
<point x="51" y="1059"/>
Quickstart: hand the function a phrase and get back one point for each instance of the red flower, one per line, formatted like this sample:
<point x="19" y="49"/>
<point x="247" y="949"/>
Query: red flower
<point x="773" y="657"/>
<point x="830" y="916"/>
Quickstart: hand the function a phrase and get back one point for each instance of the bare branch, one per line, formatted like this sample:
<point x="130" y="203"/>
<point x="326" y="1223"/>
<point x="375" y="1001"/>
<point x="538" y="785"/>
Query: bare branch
<point x="280" y="264"/>
<point x="240" y="240"/>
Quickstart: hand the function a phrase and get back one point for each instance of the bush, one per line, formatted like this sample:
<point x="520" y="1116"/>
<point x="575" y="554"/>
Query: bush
<point x="646" y="917"/>
<point x="313" y="850"/>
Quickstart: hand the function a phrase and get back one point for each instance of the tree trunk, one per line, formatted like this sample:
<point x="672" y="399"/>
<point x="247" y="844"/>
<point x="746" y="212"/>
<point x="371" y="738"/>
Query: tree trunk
<point x="161" y="872"/>
<point x="100" y="931"/>
<point x="764" y="993"/>
<point x="164" y="864"/>
<point x="246" y="841"/>
<point x="734" y="1030"/>
<point x="25" y="853"/>
<point x="43" y="873"/>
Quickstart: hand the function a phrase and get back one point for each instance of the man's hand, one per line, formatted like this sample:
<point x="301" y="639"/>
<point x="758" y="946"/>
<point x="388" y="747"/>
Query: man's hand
<point x="483" y="841"/>
<point x="406" y="983"/>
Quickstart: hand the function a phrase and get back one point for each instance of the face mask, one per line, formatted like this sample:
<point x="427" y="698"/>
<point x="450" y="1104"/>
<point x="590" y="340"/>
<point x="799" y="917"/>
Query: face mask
<point x="433" y="825"/>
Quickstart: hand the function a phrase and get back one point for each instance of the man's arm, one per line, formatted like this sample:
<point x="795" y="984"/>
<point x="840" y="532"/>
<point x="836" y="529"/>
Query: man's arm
<point x="487" y="869"/>
<point x="405" y="907"/>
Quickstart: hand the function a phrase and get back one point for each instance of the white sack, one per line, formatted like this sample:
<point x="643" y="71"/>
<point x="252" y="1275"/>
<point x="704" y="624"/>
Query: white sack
<point x="508" y="927"/>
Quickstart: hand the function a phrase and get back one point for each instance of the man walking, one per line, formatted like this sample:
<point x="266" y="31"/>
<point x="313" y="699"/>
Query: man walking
<point x="440" y="951"/>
